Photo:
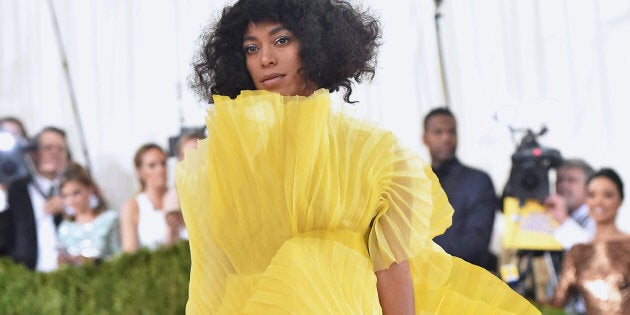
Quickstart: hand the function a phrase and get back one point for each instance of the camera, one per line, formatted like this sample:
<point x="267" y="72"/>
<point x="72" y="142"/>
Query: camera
<point x="13" y="158"/>
<point x="531" y="163"/>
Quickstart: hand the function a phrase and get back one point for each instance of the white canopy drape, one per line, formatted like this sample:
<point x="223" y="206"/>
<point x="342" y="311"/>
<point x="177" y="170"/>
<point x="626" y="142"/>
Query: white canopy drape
<point x="562" y="63"/>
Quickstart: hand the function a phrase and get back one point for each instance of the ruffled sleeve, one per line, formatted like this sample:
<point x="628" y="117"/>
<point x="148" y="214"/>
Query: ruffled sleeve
<point x="412" y="208"/>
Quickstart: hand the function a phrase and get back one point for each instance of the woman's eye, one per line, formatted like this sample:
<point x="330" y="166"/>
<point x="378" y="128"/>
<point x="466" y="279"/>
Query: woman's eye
<point x="282" y="40"/>
<point x="250" y="49"/>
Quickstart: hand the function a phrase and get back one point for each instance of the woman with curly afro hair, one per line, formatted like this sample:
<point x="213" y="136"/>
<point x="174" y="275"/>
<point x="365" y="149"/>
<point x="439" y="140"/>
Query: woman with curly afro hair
<point x="341" y="45"/>
<point x="293" y="207"/>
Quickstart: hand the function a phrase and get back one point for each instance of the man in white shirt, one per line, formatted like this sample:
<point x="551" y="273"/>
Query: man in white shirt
<point x="28" y="226"/>
<point x="568" y="205"/>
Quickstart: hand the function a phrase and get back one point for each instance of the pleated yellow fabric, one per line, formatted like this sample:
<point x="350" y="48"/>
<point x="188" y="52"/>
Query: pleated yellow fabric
<point x="291" y="206"/>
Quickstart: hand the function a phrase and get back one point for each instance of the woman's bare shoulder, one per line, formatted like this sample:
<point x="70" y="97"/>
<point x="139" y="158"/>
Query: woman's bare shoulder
<point x="130" y="207"/>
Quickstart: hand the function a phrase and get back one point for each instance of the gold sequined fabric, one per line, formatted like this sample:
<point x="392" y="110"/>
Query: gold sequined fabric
<point x="600" y="271"/>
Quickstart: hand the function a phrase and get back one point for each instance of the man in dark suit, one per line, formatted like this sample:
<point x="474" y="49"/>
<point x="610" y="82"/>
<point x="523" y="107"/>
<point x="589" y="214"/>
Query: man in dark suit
<point x="469" y="191"/>
<point x="28" y="225"/>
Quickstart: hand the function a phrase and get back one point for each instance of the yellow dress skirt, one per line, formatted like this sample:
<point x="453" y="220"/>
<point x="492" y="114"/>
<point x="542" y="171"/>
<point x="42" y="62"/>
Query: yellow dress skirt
<point x="291" y="207"/>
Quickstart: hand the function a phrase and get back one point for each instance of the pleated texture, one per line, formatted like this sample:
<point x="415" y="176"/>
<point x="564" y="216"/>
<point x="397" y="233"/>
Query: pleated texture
<point x="290" y="207"/>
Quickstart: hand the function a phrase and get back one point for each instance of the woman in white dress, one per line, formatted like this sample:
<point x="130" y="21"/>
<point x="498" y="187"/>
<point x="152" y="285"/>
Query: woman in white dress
<point x="143" y="223"/>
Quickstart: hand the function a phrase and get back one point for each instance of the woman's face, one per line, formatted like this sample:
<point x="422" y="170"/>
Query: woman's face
<point x="603" y="200"/>
<point x="152" y="170"/>
<point x="273" y="59"/>
<point x="76" y="195"/>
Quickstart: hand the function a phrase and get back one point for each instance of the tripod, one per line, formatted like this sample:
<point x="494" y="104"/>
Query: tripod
<point x="538" y="272"/>
<point x="538" y="255"/>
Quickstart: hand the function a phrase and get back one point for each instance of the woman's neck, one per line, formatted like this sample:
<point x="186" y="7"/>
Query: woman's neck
<point x="608" y="232"/>
<point x="84" y="216"/>
<point x="156" y="195"/>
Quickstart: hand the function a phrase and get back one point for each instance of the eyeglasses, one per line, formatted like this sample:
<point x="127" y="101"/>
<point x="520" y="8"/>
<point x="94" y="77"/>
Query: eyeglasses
<point x="52" y="147"/>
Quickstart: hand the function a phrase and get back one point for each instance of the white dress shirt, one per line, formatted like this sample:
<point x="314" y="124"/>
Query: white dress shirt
<point x="577" y="228"/>
<point x="46" y="230"/>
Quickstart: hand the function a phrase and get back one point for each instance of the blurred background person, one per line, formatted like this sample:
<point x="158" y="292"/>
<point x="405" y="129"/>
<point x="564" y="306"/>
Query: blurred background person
<point x="92" y="233"/>
<point x="172" y="208"/>
<point x="568" y="205"/>
<point x="28" y="226"/>
<point x="470" y="192"/>
<point x="14" y="127"/>
<point x="142" y="219"/>
<point x="600" y="269"/>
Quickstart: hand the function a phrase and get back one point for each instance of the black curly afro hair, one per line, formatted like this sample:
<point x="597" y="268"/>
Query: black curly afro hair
<point x="338" y="44"/>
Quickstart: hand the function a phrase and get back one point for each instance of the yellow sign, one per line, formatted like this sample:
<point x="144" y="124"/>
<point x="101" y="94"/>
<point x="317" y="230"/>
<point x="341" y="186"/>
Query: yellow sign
<point x="528" y="227"/>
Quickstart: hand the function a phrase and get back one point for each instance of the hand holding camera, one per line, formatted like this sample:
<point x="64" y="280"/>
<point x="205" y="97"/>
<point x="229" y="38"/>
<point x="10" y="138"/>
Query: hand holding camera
<point x="557" y="207"/>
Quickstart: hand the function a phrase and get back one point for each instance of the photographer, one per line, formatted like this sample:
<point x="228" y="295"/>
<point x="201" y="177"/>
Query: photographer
<point x="28" y="225"/>
<point x="568" y="207"/>
<point x="14" y="127"/>
<point x="568" y="204"/>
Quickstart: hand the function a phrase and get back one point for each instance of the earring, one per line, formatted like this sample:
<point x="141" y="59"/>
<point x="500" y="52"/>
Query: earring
<point x="93" y="200"/>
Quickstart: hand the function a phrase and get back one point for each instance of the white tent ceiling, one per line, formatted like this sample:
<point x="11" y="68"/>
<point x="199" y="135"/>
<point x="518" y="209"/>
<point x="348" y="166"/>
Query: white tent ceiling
<point x="562" y="63"/>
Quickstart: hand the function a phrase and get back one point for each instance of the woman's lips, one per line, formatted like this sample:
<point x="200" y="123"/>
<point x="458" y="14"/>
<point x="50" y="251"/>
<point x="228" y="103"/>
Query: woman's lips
<point x="271" y="80"/>
<point x="598" y="210"/>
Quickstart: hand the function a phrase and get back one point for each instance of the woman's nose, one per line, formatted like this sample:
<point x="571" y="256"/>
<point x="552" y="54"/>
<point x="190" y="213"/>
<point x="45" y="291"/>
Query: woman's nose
<point x="268" y="58"/>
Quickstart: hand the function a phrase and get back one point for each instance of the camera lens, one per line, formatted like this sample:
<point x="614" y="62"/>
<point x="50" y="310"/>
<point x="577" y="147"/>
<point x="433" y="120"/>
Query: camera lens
<point x="530" y="182"/>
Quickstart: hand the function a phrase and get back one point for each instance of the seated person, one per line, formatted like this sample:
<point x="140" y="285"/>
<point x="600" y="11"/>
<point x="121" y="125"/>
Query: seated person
<point x="143" y="223"/>
<point x="92" y="233"/>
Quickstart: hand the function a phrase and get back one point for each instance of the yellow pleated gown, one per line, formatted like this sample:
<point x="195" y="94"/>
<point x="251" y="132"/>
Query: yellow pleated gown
<point x="291" y="207"/>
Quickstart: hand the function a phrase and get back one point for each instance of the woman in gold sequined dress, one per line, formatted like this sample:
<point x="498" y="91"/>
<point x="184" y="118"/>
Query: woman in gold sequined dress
<point x="600" y="269"/>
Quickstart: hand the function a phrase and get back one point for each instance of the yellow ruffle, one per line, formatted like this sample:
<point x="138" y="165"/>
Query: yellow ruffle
<point x="290" y="208"/>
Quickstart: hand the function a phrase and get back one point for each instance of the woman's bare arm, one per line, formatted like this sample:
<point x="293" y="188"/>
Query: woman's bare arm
<point x="129" y="226"/>
<point x="395" y="289"/>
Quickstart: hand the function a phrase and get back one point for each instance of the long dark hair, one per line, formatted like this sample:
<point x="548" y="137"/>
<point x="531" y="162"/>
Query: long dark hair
<point x="610" y="174"/>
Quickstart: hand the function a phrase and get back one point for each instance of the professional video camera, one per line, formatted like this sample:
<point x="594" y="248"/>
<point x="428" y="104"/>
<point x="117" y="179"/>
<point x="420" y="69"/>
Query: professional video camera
<point x="528" y="228"/>
<point x="529" y="177"/>
<point x="13" y="158"/>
